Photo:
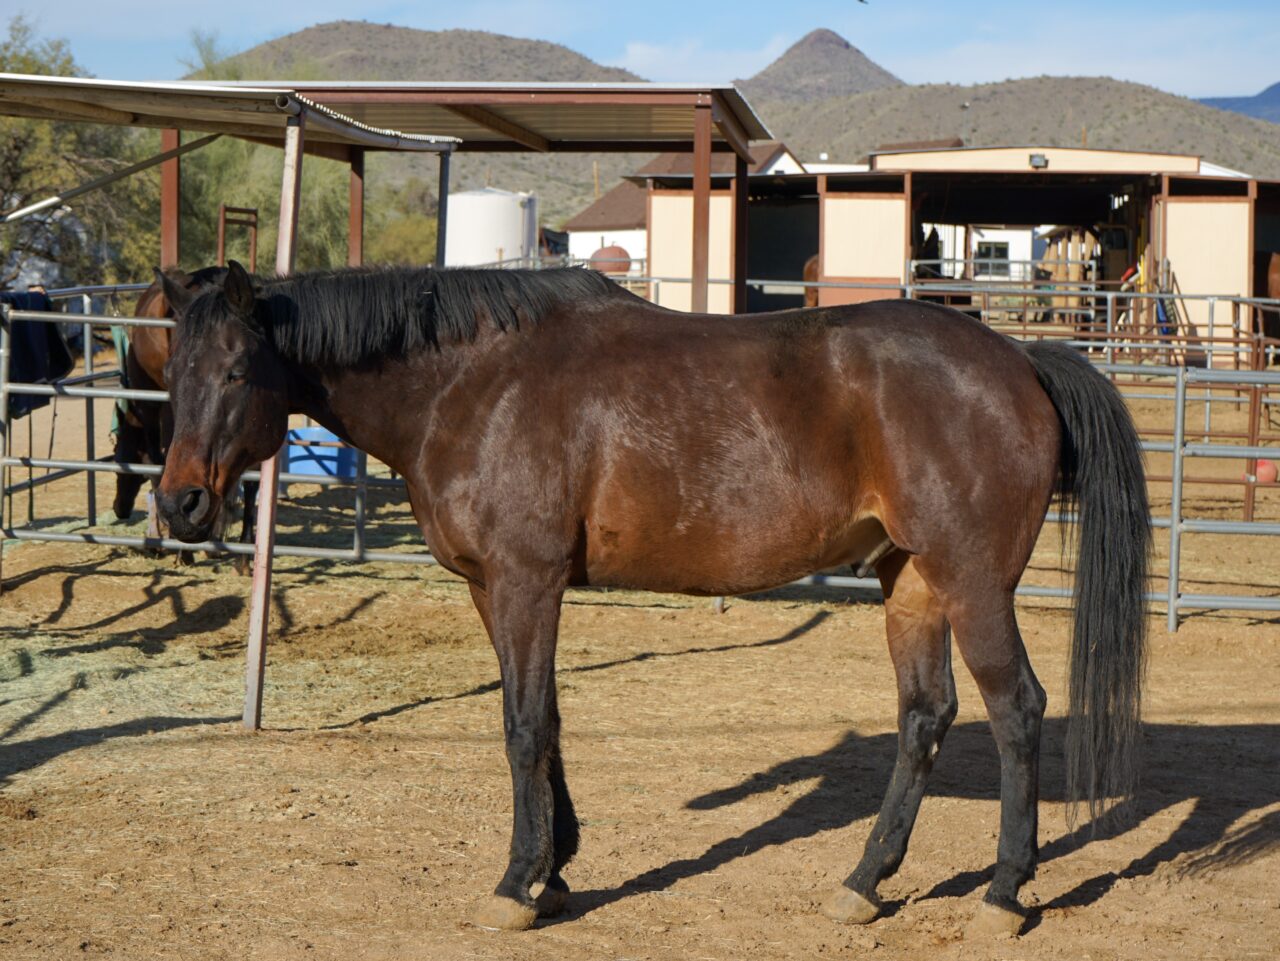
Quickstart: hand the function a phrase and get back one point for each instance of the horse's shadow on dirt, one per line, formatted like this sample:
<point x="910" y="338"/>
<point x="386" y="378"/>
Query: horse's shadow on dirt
<point x="1226" y="771"/>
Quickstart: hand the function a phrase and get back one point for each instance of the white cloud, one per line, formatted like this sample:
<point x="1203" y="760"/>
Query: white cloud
<point x="689" y="60"/>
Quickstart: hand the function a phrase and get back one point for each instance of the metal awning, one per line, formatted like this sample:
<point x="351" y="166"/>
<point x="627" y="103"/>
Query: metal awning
<point x="546" y="117"/>
<point x="249" y="111"/>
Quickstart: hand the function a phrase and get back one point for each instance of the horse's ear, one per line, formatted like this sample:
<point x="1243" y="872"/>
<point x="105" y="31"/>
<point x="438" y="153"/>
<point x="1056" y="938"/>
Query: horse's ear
<point x="238" y="288"/>
<point x="175" y="292"/>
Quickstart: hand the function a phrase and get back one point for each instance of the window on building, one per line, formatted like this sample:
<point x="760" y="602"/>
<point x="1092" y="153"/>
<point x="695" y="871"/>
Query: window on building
<point x="992" y="259"/>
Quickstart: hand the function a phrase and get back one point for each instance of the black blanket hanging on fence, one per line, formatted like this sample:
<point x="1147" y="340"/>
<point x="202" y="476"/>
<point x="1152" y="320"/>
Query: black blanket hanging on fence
<point x="38" y="354"/>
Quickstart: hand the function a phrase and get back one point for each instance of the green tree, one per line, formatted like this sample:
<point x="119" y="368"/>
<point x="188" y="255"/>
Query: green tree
<point x="101" y="237"/>
<point x="241" y="174"/>
<point x="400" y="227"/>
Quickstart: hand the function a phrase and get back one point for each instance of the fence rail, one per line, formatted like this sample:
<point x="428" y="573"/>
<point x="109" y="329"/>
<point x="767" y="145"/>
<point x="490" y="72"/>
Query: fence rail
<point x="1180" y="447"/>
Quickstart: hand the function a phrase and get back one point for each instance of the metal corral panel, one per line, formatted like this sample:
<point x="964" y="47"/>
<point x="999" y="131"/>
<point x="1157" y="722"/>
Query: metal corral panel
<point x="671" y="249"/>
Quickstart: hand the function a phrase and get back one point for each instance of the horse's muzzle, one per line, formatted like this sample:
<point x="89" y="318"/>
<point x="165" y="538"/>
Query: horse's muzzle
<point x="190" y="513"/>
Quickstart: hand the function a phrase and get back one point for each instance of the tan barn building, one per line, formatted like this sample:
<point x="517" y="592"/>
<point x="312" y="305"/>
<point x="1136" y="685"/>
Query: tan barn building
<point x="1176" y="218"/>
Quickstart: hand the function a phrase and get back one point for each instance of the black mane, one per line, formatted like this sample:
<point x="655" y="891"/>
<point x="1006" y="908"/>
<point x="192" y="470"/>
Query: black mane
<point x="346" y="317"/>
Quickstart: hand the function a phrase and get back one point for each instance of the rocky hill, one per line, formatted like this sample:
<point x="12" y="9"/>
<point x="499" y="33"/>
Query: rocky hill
<point x="1264" y="106"/>
<point x="822" y="95"/>
<point x="1049" y="111"/>
<point x="819" y="66"/>
<point x="358" y="50"/>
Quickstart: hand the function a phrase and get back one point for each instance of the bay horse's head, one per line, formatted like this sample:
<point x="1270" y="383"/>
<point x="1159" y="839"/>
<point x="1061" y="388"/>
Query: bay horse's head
<point x="230" y="403"/>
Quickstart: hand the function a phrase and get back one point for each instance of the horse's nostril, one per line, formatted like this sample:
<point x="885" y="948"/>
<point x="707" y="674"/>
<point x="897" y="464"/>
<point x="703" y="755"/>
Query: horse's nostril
<point x="193" y="503"/>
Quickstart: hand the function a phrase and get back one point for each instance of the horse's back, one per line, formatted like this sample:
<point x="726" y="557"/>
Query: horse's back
<point x="789" y="442"/>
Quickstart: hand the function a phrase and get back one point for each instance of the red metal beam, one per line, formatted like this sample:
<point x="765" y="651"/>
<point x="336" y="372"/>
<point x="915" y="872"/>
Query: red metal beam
<point x="355" y="210"/>
<point x="170" y="201"/>
<point x="488" y="98"/>
<point x="499" y="124"/>
<point x="701" y="206"/>
<point x="741" y="188"/>
<point x="731" y="130"/>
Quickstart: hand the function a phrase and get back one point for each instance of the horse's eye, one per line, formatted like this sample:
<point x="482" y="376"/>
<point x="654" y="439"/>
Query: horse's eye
<point x="236" y="376"/>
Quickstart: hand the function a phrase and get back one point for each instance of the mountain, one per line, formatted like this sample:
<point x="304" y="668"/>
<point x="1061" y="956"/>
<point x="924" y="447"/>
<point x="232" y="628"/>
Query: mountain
<point x="822" y="95"/>
<point x="1048" y="111"/>
<point x="358" y="50"/>
<point x="821" y="65"/>
<point x="1264" y="106"/>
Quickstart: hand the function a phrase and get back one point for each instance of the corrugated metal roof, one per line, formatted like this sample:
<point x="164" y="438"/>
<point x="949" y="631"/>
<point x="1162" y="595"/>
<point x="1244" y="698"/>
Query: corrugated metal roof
<point x="250" y="111"/>
<point x="545" y="116"/>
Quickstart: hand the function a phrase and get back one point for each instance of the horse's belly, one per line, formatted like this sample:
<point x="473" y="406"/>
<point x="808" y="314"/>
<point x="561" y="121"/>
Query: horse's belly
<point x="722" y="555"/>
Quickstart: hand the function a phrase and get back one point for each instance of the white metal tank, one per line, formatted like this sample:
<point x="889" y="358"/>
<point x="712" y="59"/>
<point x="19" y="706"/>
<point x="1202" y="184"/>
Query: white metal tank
<point x="488" y="226"/>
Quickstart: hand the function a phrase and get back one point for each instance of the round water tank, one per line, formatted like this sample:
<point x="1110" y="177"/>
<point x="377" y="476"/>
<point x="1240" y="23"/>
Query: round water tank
<point x="490" y="226"/>
<point x="612" y="259"/>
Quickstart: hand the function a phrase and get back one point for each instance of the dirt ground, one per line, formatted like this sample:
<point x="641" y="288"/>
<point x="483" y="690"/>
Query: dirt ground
<point x="726" y="768"/>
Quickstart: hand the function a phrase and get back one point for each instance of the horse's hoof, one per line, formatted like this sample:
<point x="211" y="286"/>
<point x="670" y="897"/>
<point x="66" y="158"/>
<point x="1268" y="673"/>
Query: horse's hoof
<point x="993" y="921"/>
<point x="504" y="914"/>
<point x="552" y="900"/>
<point x="850" y="907"/>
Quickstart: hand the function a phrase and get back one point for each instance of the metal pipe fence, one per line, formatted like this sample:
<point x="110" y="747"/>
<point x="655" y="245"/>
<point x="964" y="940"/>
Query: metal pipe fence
<point x="1180" y="447"/>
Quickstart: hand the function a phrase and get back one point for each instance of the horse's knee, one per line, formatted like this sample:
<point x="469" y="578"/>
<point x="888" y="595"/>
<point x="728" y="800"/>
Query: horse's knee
<point x="925" y="723"/>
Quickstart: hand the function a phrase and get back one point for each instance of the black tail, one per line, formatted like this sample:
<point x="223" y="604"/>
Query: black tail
<point x="1102" y="477"/>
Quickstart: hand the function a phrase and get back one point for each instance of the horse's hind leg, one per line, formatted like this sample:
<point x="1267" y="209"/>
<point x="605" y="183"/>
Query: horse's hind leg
<point x="988" y="639"/>
<point x="921" y="652"/>
<point x="522" y="621"/>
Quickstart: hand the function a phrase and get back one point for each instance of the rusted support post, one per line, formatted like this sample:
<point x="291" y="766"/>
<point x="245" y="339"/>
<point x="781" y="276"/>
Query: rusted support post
<point x="701" y="205"/>
<point x="355" y="210"/>
<point x="741" y="190"/>
<point x="442" y="208"/>
<point x="221" y="259"/>
<point x="170" y="201"/>
<point x="260" y="606"/>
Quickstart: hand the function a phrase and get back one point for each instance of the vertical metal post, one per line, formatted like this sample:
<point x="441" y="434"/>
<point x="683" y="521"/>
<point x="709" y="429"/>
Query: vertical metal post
<point x="355" y="209"/>
<point x="1111" y="329"/>
<point x="362" y="497"/>
<point x="4" y="427"/>
<point x="701" y="207"/>
<point x="442" y="208"/>
<point x="1175" y="509"/>
<point x="1208" y="388"/>
<point x="222" y="235"/>
<point x="268" y="489"/>
<point x="91" y="477"/>
<point x="741" y="216"/>
<point x="170" y="201"/>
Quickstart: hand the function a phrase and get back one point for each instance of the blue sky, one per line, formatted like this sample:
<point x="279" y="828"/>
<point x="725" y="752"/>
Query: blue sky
<point x="1211" y="48"/>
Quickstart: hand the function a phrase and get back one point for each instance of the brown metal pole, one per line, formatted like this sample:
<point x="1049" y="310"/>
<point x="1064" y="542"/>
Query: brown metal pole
<point x="260" y="606"/>
<point x="1257" y="362"/>
<point x="701" y="205"/>
<point x="741" y="189"/>
<point x="222" y="235"/>
<point x="170" y="201"/>
<point x="253" y="244"/>
<point x="442" y="208"/>
<point x="355" y="210"/>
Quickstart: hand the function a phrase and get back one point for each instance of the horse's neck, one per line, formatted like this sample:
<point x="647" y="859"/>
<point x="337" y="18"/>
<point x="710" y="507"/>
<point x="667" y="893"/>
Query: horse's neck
<point x="370" y="407"/>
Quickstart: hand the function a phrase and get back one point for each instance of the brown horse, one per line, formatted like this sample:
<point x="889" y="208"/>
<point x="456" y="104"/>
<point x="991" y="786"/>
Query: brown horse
<point x="554" y="430"/>
<point x="146" y="426"/>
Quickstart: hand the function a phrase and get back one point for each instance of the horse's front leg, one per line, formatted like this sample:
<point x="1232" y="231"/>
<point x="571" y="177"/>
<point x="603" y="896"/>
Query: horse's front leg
<point x="522" y="615"/>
